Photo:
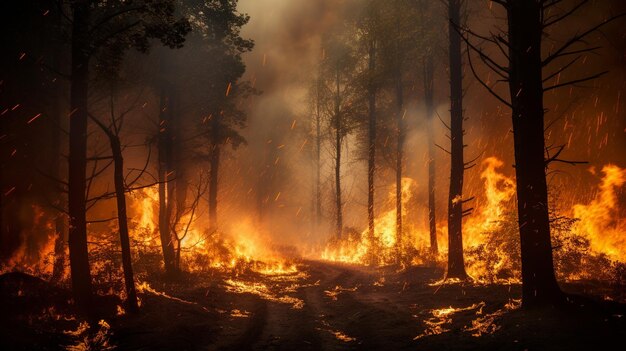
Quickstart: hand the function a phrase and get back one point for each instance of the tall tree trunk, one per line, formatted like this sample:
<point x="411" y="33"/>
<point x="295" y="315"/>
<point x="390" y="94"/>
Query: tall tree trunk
<point x="338" y="137"/>
<point x="539" y="285"/>
<point x="122" y="220"/>
<point x="456" y="264"/>
<point x="164" y="140"/>
<point x="213" y="182"/>
<point x="58" y="267"/>
<point x="79" y="256"/>
<point x="429" y="87"/>
<point x="399" y="156"/>
<point x="371" y="150"/>
<point x="318" y="155"/>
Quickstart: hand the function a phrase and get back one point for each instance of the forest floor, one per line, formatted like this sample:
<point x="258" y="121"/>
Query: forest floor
<point x="322" y="307"/>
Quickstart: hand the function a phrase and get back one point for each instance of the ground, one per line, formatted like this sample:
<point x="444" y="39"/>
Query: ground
<point x="323" y="306"/>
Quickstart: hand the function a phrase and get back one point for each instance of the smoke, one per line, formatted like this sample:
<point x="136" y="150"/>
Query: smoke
<point x="277" y="187"/>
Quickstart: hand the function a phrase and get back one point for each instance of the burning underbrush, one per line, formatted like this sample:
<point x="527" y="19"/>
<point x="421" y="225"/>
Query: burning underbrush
<point x="239" y="249"/>
<point x="588" y="239"/>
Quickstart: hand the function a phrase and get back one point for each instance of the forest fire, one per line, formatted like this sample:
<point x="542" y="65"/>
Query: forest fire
<point x="312" y="175"/>
<point x="599" y="221"/>
<point x="489" y="241"/>
<point x="201" y="249"/>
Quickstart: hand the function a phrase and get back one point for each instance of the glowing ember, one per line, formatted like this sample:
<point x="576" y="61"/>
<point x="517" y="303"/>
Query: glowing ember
<point x="441" y="318"/>
<point x="263" y="291"/>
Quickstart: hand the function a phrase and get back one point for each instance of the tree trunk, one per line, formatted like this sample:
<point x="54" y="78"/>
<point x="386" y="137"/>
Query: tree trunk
<point x="213" y="178"/>
<point x="164" y="139"/>
<point x="58" y="267"/>
<point x="371" y="150"/>
<point x="456" y="264"/>
<point x="399" y="156"/>
<point x="318" y="155"/>
<point x="122" y="220"/>
<point x="79" y="256"/>
<point x="430" y="107"/>
<point x="539" y="285"/>
<point x="338" y="137"/>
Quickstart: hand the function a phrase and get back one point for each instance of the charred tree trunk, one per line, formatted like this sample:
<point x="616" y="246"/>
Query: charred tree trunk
<point x="122" y="220"/>
<point x="213" y="182"/>
<point x="79" y="256"/>
<point x="164" y="141"/>
<point x="429" y="87"/>
<point x="338" y="138"/>
<point x="318" y="155"/>
<point x="371" y="145"/>
<point x="399" y="156"/>
<point x="456" y="264"/>
<point x="539" y="285"/>
<point x="58" y="267"/>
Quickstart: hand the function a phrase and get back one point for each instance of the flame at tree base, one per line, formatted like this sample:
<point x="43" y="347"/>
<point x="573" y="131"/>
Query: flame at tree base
<point x="587" y="237"/>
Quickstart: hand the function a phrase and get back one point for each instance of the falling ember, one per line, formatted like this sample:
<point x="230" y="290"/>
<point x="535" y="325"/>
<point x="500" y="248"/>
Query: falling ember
<point x="34" y="118"/>
<point x="228" y="89"/>
<point x="165" y="186"/>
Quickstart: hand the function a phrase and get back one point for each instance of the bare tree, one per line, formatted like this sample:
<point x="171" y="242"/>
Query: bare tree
<point x="110" y="27"/>
<point x="526" y="74"/>
<point x="112" y="131"/>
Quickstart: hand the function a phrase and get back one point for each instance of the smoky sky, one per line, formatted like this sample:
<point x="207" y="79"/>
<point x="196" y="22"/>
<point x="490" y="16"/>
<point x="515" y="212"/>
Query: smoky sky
<point x="275" y="168"/>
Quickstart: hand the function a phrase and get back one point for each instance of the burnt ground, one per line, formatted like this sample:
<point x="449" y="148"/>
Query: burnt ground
<point x="323" y="307"/>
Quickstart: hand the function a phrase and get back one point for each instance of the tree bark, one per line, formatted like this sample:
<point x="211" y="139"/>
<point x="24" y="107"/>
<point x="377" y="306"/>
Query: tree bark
<point x="58" y="267"/>
<point x="318" y="155"/>
<point x="122" y="220"/>
<point x="399" y="156"/>
<point x="456" y="264"/>
<point x="79" y="256"/>
<point x="429" y="102"/>
<point x="338" y="138"/>
<point x="371" y="148"/>
<point x="164" y="140"/>
<point x="539" y="285"/>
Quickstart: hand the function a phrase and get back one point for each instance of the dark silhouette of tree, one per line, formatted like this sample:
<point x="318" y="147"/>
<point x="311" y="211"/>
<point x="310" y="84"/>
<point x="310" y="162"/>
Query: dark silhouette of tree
<point x="223" y="46"/>
<point x="338" y="96"/>
<point x="167" y="128"/>
<point x="397" y="50"/>
<point x="456" y="265"/>
<point x="524" y="71"/>
<point x="104" y="29"/>
<point x="112" y="132"/>
<point x="428" y="44"/>
<point x="369" y="31"/>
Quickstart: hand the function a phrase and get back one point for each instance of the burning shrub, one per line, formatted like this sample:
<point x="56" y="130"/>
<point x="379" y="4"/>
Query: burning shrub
<point x="497" y="257"/>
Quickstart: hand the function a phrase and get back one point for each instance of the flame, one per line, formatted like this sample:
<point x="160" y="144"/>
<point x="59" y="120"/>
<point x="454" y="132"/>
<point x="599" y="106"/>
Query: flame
<point x="35" y="258"/>
<point x="487" y="220"/>
<point x="200" y="249"/>
<point x="599" y="219"/>
<point x="498" y="191"/>
<point x="384" y="249"/>
<point x="442" y="318"/>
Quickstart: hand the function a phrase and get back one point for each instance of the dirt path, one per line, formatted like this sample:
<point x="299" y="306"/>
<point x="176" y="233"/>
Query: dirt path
<point x="341" y="308"/>
<point x="336" y="307"/>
